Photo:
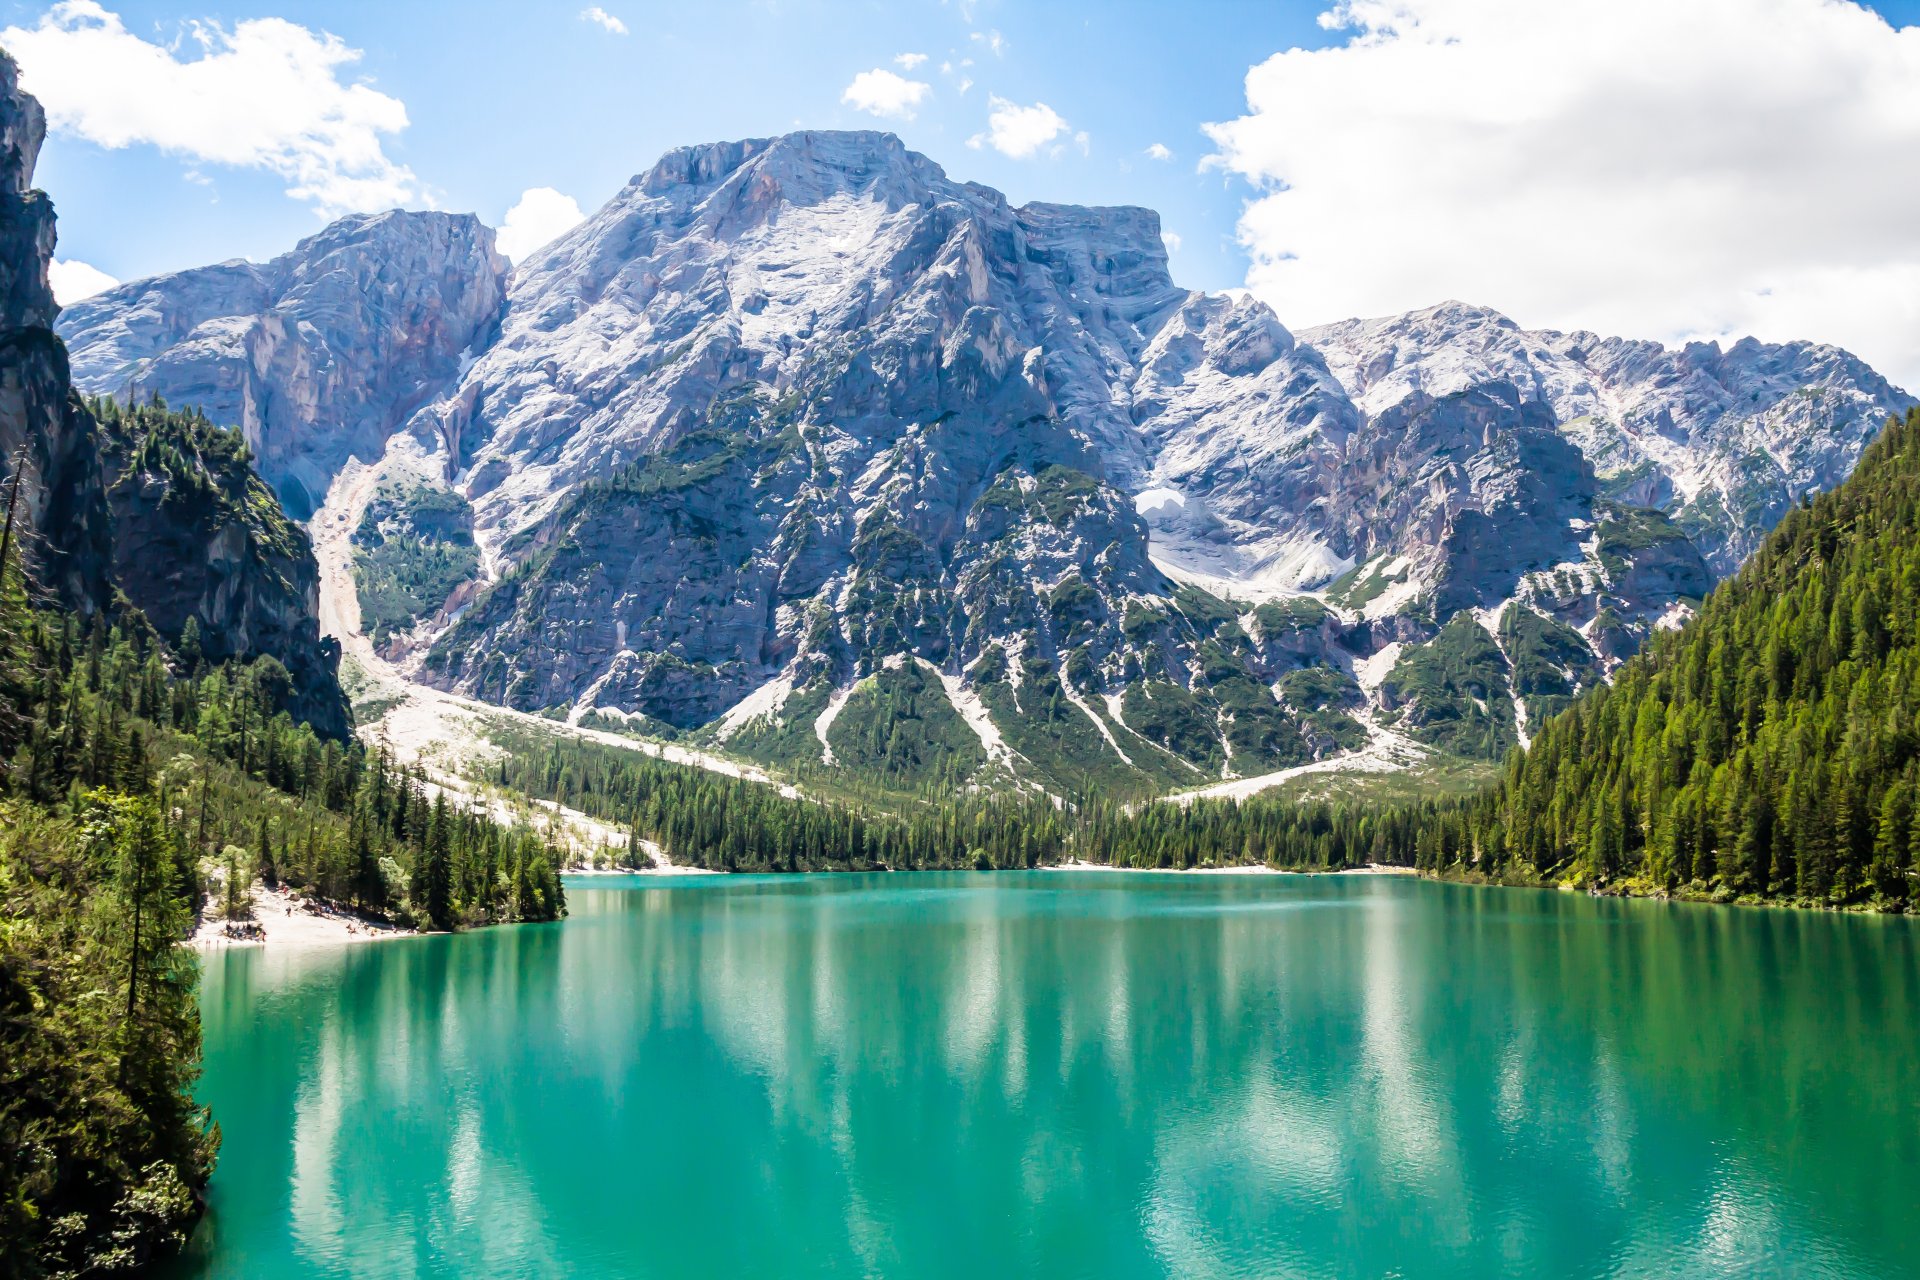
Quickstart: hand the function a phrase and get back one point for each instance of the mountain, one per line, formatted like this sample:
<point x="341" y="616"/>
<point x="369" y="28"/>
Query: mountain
<point x="321" y="353"/>
<point x="141" y="512"/>
<point x="802" y="447"/>
<point x="1769" y="750"/>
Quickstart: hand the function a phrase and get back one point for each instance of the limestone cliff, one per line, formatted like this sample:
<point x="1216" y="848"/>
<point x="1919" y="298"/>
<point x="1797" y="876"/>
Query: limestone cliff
<point x="113" y="524"/>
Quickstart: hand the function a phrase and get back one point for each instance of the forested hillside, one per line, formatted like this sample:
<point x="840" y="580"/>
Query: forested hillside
<point x="709" y="820"/>
<point x="128" y="771"/>
<point x="1769" y="750"/>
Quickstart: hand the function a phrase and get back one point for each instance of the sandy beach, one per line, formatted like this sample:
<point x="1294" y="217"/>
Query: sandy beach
<point x="285" y="921"/>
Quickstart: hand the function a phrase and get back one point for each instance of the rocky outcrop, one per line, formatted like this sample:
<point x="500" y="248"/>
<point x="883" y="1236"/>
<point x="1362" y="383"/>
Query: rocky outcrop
<point x="1725" y="440"/>
<point x="786" y="411"/>
<point x="316" y="356"/>
<point x="113" y="526"/>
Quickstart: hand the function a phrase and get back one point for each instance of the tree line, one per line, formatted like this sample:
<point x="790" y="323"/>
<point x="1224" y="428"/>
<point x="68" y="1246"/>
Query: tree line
<point x="1769" y="750"/>
<point x="130" y="770"/>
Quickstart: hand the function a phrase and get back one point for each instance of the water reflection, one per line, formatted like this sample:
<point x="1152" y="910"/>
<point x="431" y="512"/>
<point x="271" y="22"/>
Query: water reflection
<point x="1074" y="1075"/>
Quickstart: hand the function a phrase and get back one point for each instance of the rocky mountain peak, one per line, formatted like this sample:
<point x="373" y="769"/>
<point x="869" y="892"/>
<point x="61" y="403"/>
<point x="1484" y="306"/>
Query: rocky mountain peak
<point x="791" y="416"/>
<point x="830" y="158"/>
<point x="23" y="132"/>
<point x="26" y="298"/>
<point x="318" y="355"/>
<point x="1115" y="253"/>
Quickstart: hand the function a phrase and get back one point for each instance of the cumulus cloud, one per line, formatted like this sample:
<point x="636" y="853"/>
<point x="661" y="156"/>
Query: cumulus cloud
<point x="908" y="61"/>
<point x="880" y="92"/>
<point x="1017" y="131"/>
<point x="601" y="18"/>
<point x="540" y="216"/>
<point x="1158" y="151"/>
<point x="1645" y="167"/>
<point x="73" y="280"/>
<point x="1172" y="240"/>
<point x="266" y="94"/>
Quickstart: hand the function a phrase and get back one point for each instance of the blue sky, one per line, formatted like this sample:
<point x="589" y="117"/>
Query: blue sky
<point x="1664" y="168"/>
<point x="502" y="97"/>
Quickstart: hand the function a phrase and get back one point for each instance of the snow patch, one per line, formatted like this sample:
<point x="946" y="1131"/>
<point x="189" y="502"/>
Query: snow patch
<point x="824" y="721"/>
<point x="1098" y="723"/>
<point x="1371" y="673"/>
<point x="764" y="701"/>
<point x="967" y="703"/>
<point x="1678" y="614"/>
<point x="1385" y="752"/>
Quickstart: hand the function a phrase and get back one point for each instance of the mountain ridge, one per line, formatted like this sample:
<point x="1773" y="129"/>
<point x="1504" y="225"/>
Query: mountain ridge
<point x="785" y="410"/>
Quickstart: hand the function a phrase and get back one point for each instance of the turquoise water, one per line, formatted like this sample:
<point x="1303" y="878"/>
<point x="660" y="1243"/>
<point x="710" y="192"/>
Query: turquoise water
<point x="1074" y="1075"/>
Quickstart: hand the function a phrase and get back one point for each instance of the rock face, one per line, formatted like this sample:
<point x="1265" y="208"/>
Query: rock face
<point x="316" y="356"/>
<point x="791" y="425"/>
<point x="109" y="524"/>
<point x="1725" y="441"/>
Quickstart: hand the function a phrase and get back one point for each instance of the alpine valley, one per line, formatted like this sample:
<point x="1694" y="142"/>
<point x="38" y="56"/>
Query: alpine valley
<point x="804" y="509"/>
<point x="802" y="452"/>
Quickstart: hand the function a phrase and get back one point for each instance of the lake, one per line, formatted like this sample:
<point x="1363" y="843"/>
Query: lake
<point x="1073" y="1074"/>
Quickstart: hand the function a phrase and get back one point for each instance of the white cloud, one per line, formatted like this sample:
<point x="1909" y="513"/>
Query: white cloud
<point x="908" y="61"/>
<point x="1017" y="131"/>
<point x="264" y="95"/>
<point x="540" y="216"/>
<point x="880" y="92"/>
<point x="1158" y="151"/>
<point x="995" y="42"/>
<point x="1643" y="167"/>
<point x="1172" y="240"/>
<point x="73" y="280"/>
<point x="601" y="18"/>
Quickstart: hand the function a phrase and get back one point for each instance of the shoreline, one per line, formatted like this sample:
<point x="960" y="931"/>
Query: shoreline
<point x="1241" y="869"/>
<point x="289" y="923"/>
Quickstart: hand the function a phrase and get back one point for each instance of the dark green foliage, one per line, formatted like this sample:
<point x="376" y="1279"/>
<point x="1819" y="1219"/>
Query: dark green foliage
<point x="412" y="550"/>
<point x="1260" y="830"/>
<point x="1768" y="750"/>
<point x="1282" y="617"/>
<point x="101" y="1146"/>
<point x="189" y="538"/>
<point x="898" y="728"/>
<point x="1064" y="494"/>
<point x="120" y="776"/>
<point x="1366" y="582"/>
<point x="1074" y="606"/>
<point x="1257" y="728"/>
<point x="1321" y="697"/>
<point x="207" y="469"/>
<point x="1452" y="692"/>
<point x="1141" y="622"/>
<point x="1625" y="531"/>
<point x="1205" y="611"/>
<point x="1055" y="738"/>
<point x="711" y="820"/>
<point x="1551" y="662"/>
<point x="1170" y="716"/>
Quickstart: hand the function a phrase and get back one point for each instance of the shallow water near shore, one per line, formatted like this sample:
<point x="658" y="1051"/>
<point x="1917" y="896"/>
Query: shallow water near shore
<point x="1070" y="1074"/>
